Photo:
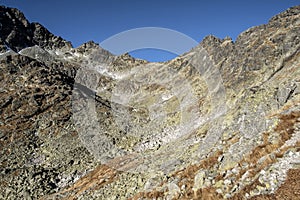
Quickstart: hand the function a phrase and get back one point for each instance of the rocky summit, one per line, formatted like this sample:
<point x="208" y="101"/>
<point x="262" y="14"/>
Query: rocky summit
<point x="221" y="121"/>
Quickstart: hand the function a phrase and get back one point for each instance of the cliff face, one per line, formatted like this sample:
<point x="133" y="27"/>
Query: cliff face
<point x="17" y="33"/>
<point x="81" y="123"/>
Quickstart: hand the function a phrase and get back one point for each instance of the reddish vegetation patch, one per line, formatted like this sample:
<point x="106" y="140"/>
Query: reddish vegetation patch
<point x="186" y="177"/>
<point x="96" y="179"/>
<point x="290" y="190"/>
<point x="103" y="175"/>
<point x="286" y="124"/>
<point x="286" y="128"/>
<point x="149" y="195"/>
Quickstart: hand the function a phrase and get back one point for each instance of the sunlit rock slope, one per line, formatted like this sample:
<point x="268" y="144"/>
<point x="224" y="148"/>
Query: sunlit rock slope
<point x="221" y="121"/>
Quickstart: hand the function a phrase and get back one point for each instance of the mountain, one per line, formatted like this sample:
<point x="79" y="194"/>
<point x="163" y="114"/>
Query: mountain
<point x="221" y="121"/>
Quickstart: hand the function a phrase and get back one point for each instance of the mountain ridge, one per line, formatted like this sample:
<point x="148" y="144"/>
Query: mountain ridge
<point x="50" y="150"/>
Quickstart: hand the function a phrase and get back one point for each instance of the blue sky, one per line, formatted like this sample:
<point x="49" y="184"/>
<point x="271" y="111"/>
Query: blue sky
<point x="81" y="21"/>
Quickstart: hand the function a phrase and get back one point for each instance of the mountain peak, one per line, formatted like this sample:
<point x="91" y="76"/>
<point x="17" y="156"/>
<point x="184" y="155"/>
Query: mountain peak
<point x="17" y="33"/>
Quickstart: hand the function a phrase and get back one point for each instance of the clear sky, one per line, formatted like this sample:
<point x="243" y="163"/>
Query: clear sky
<point x="81" y="21"/>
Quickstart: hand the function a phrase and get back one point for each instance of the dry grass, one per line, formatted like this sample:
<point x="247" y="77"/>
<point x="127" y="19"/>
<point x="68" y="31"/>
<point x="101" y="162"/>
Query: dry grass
<point x="103" y="175"/>
<point x="96" y="179"/>
<point x="290" y="190"/>
<point x="286" y="128"/>
<point x="186" y="177"/>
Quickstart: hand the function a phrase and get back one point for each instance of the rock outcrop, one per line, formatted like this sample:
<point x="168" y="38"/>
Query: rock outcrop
<point x="221" y="121"/>
<point x="17" y="33"/>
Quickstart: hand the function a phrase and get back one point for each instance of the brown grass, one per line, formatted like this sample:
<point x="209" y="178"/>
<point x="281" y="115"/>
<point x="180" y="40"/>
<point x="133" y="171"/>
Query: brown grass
<point x="286" y="128"/>
<point x="290" y="190"/>
<point x="96" y="179"/>
<point x="186" y="177"/>
<point x="103" y="175"/>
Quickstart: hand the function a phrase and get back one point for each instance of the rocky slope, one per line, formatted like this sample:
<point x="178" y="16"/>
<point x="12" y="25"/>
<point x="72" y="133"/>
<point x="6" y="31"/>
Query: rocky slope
<point x="81" y="123"/>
